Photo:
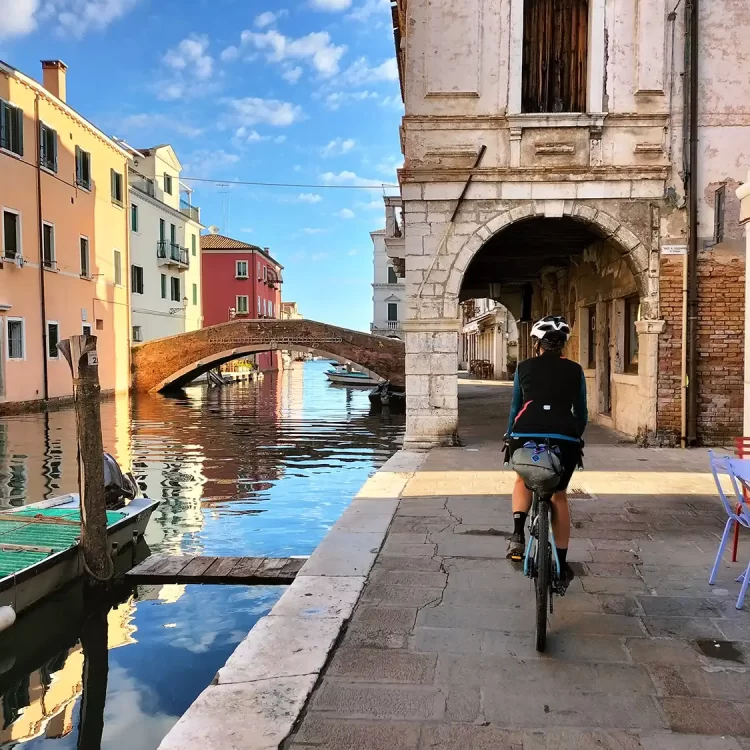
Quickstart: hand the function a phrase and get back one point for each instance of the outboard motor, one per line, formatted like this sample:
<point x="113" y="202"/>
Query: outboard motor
<point x="118" y="487"/>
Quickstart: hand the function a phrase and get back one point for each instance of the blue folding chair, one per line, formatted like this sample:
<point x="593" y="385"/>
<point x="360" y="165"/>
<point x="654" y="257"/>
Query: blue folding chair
<point x="738" y="515"/>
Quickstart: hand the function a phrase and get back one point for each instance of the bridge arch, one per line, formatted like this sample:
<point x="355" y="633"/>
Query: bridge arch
<point x="174" y="361"/>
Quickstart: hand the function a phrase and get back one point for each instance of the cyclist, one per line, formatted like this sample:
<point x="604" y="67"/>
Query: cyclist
<point x="549" y="402"/>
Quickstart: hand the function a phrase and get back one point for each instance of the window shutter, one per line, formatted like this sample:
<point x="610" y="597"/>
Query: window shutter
<point x="112" y="182"/>
<point x="19" y="124"/>
<point x="41" y="144"/>
<point x="3" y="125"/>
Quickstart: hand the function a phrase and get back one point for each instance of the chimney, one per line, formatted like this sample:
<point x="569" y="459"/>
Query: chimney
<point x="53" y="72"/>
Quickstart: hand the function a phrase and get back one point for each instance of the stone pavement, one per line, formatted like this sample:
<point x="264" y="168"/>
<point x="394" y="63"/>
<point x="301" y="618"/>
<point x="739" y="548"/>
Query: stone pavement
<point x="642" y="653"/>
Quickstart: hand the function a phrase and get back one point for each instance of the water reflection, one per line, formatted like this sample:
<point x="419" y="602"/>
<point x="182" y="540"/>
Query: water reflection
<point x="252" y="469"/>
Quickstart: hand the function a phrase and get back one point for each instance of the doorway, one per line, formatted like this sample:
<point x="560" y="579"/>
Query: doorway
<point x="607" y="353"/>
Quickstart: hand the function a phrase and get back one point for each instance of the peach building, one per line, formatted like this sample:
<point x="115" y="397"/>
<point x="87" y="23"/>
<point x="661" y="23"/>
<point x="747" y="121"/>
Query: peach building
<point x="64" y="252"/>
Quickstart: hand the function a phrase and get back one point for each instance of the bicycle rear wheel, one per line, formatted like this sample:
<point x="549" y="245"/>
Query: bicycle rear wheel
<point x="543" y="576"/>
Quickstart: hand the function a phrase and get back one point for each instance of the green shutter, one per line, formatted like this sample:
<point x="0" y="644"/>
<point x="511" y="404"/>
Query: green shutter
<point x="19" y="125"/>
<point x="4" y="125"/>
<point x="112" y="182"/>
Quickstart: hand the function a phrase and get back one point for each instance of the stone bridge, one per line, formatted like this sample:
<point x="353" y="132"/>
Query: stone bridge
<point x="173" y="362"/>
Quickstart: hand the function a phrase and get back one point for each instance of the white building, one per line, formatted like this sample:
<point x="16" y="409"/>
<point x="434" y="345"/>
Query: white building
<point x="579" y="158"/>
<point x="389" y="289"/>
<point x="165" y="247"/>
<point x="490" y="334"/>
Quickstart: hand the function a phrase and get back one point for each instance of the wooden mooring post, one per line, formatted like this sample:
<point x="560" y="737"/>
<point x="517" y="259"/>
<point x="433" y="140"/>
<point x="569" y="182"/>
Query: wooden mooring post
<point x="80" y="352"/>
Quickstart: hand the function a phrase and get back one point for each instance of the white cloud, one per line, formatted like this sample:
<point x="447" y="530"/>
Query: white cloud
<point x="353" y="252"/>
<point x="253" y="111"/>
<point x="330" y="6"/>
<point x="335" y="99"/>
<point x="230" y="54"/>
<point x="206" y="161"/>
<point x="316" y="49"/>
<point x="345" y="213"/>
<point x="390" y="165"/>
<point x="19" y="17"/>
<point x="360" y="72"/>
<point x="371" y="8"/>
<point x="319" y="256"/>
<point x="269" y="19"/>
<point x="310" y="230"/>
<point x="247" y="230"/>
<point x="349" y="178"/>
<point x="159" y="122"/>
<point x="190" y="54"/>
<point x="373" y="205"/>
<point x="338" y="147"/>
<point x="245" y="135"/>
<point x="292" y="75"/>
<point x="392" y="101"/>
<point x="73" y="18"/>
<point x="309" y="198"/>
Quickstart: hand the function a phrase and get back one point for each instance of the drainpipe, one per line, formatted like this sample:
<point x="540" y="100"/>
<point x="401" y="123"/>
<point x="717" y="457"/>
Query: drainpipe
<point x="691" y="51"/>
<point x="41" y="247"/>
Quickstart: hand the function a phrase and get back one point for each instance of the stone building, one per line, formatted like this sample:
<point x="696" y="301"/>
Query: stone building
<point x="489" y="334"/>
<point x="555" y="162"/>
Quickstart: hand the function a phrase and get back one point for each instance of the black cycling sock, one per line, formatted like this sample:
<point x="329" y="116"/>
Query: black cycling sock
<point x="562" y="556"/>
<point x="519" y="523"/>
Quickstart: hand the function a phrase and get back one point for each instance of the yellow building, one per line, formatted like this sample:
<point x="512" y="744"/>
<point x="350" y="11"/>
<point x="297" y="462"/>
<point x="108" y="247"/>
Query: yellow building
<point x="64" y="241"/>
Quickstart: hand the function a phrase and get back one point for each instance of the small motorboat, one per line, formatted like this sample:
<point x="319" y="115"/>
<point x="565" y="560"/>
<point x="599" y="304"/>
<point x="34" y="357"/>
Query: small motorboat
<point x="344" y="375"/>
<point x="387" y="395"/>
<point x="39" y="543"/>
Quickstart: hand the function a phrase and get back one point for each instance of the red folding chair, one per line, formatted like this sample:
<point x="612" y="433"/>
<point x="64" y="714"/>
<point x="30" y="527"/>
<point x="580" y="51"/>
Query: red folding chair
<point x="742" y="449"/>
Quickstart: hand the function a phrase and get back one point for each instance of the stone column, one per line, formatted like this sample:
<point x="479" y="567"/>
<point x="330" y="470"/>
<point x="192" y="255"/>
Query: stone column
<point x="743" y="193"/>
<point x="431" y="382"/>
<point x="648" y="368"/>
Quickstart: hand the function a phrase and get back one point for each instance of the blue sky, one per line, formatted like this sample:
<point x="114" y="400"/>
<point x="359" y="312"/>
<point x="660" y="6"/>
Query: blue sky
<point x="304" y="91"/>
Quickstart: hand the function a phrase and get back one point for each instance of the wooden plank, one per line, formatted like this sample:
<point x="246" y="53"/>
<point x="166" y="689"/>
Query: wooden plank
<point x="172" y="565"/>
<point x="221" y="567"/>
<point x="271" y="567"/>
<point x="37" y="519"/>
<point x="27" y="548"/>
<point x="293" y="567"/>
<point x="148" y="565"/>
<point x="247" y="567"/>
<point x="197" y="567"/>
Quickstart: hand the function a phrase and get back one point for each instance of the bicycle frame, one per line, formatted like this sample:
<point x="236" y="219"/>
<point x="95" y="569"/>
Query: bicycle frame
<point x="530" y="554"/>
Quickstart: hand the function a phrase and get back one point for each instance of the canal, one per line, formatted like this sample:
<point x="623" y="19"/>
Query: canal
<point x="250" y="469"/>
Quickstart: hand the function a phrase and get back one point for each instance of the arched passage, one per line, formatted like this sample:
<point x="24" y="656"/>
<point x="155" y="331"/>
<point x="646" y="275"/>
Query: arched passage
<point x="175" y="361"/>
<point x="530" y="258"/>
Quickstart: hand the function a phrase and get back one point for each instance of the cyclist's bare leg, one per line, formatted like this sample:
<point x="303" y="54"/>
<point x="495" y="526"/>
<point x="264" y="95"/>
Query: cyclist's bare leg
<point x="560" y="519"/>
<point x="521" y="497"/>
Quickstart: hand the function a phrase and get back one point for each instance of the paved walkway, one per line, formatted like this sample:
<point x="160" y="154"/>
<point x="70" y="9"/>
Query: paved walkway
<point x="642" y="653"/>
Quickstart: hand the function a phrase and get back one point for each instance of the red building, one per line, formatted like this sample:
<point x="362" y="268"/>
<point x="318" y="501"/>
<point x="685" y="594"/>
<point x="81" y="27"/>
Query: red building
<point x="240" y="281"/>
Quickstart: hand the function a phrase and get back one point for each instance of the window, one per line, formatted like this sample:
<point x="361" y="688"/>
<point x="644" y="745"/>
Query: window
<point x="53" y="339"/>
<point x="392" y="278"/>
<point x="47" y="147"/>
<point x="168" y="184"/>
<point x="173" y="234"/>
<point x="99" y="324"/>
<point x="15" y="338"/>
<point x="240" y="269"/>
<point x="265" y="308"/>
<point x="11" y="234"/>
<point x="11" y="128"/>
<point x="260" y="272"/>
<point x="85" y="264"/>
<point x="133" y="217"/>
<point x="260" y="309"/>
<point x="720" y="198"/>
<point x="162" y="230"/>
<point x="241" y="305"/>
<point x="270" y="309"/>
<point x="86" y="329"/>
<point x="175" y="288"/>
<point x="632" y="316"/>
<point x="163" y="286"/>
<point x="195" y="294"/>
<point x="83" y="168"/>
<point x="116" y="179"/>
<point x="392" y="312"/>
<point x="591" y="341"/>
<point x="48" y="245"/>
<point x="265" y="273"/>
<point x="118" y="267"/>
<point x="137" y="333"/>
<point x="555" y="51"/>
<point x="194" y="245"/>
<point x="136" y="278"/>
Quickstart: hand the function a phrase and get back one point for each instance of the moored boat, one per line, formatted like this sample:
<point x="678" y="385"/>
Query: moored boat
<point x="344" y="375"/>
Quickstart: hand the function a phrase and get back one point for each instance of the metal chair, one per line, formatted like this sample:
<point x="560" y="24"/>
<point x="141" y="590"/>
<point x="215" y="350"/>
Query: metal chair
<point x="738" y="515"/>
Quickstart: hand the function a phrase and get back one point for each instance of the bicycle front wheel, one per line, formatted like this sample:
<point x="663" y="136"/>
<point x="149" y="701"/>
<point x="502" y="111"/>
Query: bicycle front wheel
<point x="543" y="577"/>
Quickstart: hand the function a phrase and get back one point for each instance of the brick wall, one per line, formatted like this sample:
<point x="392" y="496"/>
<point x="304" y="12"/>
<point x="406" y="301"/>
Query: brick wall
<point x="721" y="311"/>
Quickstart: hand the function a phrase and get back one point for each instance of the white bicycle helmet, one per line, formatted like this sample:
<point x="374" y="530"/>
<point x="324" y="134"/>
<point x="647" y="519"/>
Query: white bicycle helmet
<point x="552" y="324"/>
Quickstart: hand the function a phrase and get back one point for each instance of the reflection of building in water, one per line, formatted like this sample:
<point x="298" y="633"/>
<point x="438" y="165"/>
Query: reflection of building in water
<point x="38" y="451"/>
<point x="293" y="390"/>
<point x="42" y="704"/>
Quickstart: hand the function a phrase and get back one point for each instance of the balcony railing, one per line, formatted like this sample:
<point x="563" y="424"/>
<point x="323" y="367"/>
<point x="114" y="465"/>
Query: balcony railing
<point x="144" y="184"/>
<point x="389" y="328"/>
<point x="192" y="212"/>
<point x="172" y="253"/>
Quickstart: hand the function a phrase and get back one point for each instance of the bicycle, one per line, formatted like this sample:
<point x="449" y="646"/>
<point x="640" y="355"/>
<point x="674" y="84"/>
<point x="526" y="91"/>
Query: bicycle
<point x="541" y="564"/>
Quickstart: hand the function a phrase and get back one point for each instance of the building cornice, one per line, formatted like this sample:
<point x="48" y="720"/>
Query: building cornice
<point x="535" y="174"/>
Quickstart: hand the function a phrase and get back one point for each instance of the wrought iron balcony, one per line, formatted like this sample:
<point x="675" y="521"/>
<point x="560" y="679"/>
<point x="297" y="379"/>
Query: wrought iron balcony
<point x="144" y="184"/>
<point x="169" y="253"/>
<point x="192" y="212"/>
